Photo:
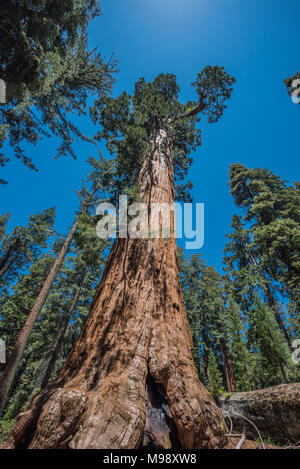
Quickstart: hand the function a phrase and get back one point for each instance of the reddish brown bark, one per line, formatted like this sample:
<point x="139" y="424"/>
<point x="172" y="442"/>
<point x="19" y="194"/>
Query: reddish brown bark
<point x="133" y="357"/>
<point x="275" y="411"/>
<point x="8" y="259"/>
<point x="228" y="366"/>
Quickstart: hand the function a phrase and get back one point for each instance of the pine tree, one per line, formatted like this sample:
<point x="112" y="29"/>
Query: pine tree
<point x="136" y="338"/>
<point x="81" y="279"/>
<point x="24" y="245"/>
<point x="18" y="305"/>
<point x="273" y="350"/>
<point x="15" y="357"/>
<point x="214" y="375"/>
<point x="8" y="375"/>
<point x="61" y="318"/>
<point x="191" y="306"/>
<point x="14" y="312"/>
<point x="272" y="218"/>
<point x="244" y="361"/>
<point x="204" y="299"/>
<point x="3" y="226"/>
<point x="244" y="287"/>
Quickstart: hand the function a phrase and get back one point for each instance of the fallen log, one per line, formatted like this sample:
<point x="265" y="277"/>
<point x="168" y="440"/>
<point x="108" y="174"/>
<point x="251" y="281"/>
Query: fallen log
<point x="273" y="412"/>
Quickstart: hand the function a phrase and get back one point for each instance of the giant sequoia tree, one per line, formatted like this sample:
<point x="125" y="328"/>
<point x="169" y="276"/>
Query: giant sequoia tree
<point x="130" y="380"/>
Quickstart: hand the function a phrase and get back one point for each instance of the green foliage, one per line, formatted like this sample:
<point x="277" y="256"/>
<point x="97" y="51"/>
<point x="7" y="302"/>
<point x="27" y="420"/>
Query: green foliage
<point x="204" y="302"/>
<point x="68" y="302"/>
<point x="87" y="241"/>
<point x="254" y="308"/>
<point x="220" y="313"/>
<point x="244" y="362"/>
<point x="133" y="194"/>
<point x="48" y="70"/>
<point x="24" y="245"/>
<point x="5" y="427"/>
<point x="214" y="376"/>
<point x="3" y="225"/>
<point x="129" y="123"/>
<point x="262" y="275"/>
<point x="86" y="257"/>
<point x="17" y="306"/>
<point x="214" y="86"/>
<point x="272" y="218"/>
<point x="271" y="347"/>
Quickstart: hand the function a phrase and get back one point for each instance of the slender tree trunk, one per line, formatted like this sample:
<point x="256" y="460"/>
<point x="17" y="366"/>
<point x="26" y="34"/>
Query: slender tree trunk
<point x="228" y="365"/>
<point x="273" y="304"/>
<point x="9" y="372"/>
<point x="274" y="307"/>
<point x="206" y="346"/>
<point x="53" y="355"/>
<point x="131" y="369"/>
<point x="7" y="266"/>
<point x="7" y="260"/>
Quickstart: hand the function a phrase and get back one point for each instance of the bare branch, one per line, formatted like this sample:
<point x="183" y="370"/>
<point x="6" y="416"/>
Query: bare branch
<point x="193" y="112"/>
<point x="231" y="413"/>
<point x="242" y="440"/>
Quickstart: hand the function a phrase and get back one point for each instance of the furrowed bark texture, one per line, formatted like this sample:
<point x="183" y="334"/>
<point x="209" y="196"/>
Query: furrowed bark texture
<point x="130" y="380"/>
<point x="275" y="411"/>
<point x="228" y="365"/>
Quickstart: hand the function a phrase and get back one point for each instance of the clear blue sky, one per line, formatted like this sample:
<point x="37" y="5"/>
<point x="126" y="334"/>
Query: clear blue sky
<point x="256" y="40"/>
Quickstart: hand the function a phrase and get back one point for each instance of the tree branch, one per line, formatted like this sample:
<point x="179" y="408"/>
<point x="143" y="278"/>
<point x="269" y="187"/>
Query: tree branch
<point x="193" y="112"/>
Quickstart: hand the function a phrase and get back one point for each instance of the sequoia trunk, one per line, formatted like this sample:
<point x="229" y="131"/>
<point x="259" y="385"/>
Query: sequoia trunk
<point x="130" y="380"/>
